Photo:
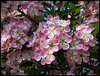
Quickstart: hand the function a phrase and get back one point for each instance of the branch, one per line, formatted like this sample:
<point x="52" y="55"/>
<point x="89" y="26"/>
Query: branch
<point x="27" y="16"/>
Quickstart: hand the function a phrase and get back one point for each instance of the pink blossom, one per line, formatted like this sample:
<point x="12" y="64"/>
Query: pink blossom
<point x="5" y="36"/>
<point x="48" y="57"/>
<point x="53" y="44"/>
<point x="64" y="23"/>
<point x="64" y="40"/>
<point x="16" y="44"/>
<point x="75" y="44"/>
<point x="84" y="34"/>
<point x="83" y="55"/>
<point x="52" y="31"/>
<point x="71" y="55"/>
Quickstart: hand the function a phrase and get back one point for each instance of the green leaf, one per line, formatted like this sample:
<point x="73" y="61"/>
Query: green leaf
<point x="95" y="48"/>
<point x="97" y="28"/>
<point x="71" y="6"/>
<point x="63" y="5"/>
<point x="77" y="11"/>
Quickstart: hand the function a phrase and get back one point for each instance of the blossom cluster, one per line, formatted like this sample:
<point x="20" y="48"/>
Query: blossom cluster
<point x="15" y="34"/>
<point x="13" y="37"/>
<point x="50" y="37"/>
<point x="82" y="40"/>
<point x="10" y="8"/>
<point x="91" y="9"/>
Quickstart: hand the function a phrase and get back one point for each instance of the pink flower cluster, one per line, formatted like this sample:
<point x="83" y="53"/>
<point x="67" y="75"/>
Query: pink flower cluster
<point x="50" y="37"/>
<point x="14" y="60"/>
<point x="82" y="40"/>
<point x="28" y="7"/>
<point x="92" y="8"/>
<point x="32" y="7"/>
<point x="15" y="34"/>
<point x="13" y="37"/>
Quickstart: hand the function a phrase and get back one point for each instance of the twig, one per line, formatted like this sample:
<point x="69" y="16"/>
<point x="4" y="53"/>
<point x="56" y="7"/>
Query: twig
<point x="27" y="16"/>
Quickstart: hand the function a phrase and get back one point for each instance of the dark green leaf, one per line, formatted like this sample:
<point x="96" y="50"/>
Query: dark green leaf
<point x="97" y="28"/>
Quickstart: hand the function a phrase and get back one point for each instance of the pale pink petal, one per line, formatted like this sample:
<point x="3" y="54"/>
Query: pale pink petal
<point x="52" y="26"/>
<point x="86" y="53"/>
<point x="76" y="41"/>
<point x="67" y="29"/>
<point x="55" y="48"/>
<point x="56" y="18"/>
<point x="79" y="61"/>
<point x="19" y="46"/>
<point x="65" y="46"/>
<point x="37" y="57"/>
<point x="85" y="48"/>
<point x="86" y="40"/>
<point x="89" y="30"/>
<point x="91" y="36"/>
<point x="91" y="44"/>
<point x="48" y="61"/>
<point x="70" y="60"/>
<point x="50" y="16"/>
<point x="51" y="35"/>
<point x="86" y="59"/>
<point x="68" y="39"/>
<point x="75" y="52"/>
<point x="56" y="31"/>
<point x="43" y="62"/>
<point x="65" y="55"/>
<point x="94" y="39"/>
<point x="76" y="58"/>
<point x="79" y="46"/>
<point x="32" y="55"/>
<point x="50" y="50"/>
<point x="37" y="52"/>
<point x="19" y="22"/>
<point x="68" y="22"/>
<point x="19" y="61"/>
<point x="22" y="41"/>
<point x="18" y="37"/>
<point x="55" y="42"/>
<point x="60" y="46"/>
<point x="29" y="45"/>
<point x="14" y="45"/>
<point x="26" y="38"/>
<point x="46" y="32"/>
<point x="80" y="35"/>
<point x="52" y="58"/>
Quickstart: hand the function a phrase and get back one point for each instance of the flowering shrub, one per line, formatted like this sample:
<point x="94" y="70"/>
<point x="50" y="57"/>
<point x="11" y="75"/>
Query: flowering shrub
<point x="49" y="37"/>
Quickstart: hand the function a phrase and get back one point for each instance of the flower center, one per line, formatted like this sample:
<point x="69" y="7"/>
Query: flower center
<point x="17" y="32"/>
<point x="51" y="45"/>
<point x="22" y="37"/>
<point x="52" y="31"/>
<point x="71" y="55"/>
<point x="81" y="55"/>
<point x="5" y="36"/>
<point x="33" y="11"/>
<point x="17" y="42"/>
<point x="62" y="30"/>
<point x="15" y="25"/>
<point x="21" y="55"/>
<point x="48" y="55"/>
<point x="62" y="41"/>
<point x="73" y="45"/>
<point x="85" y="34"/>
